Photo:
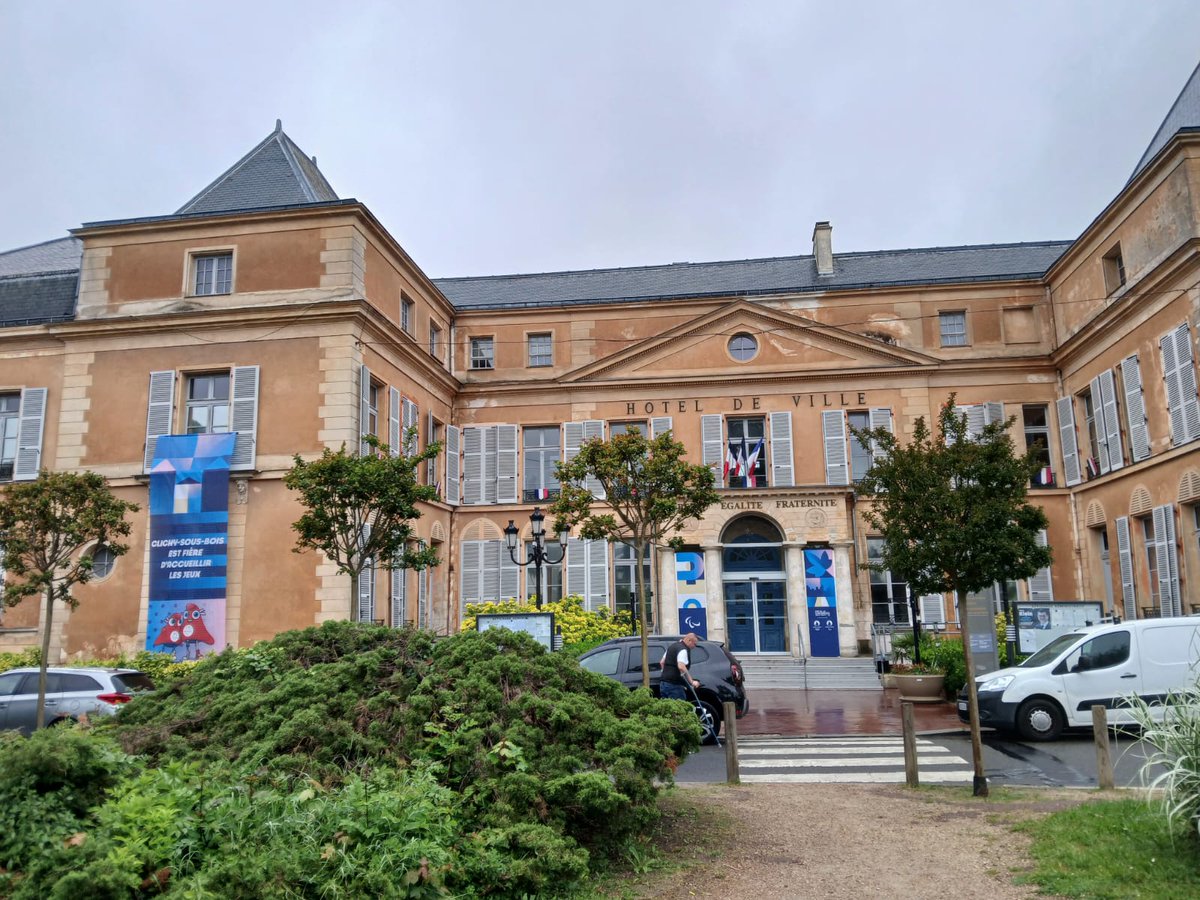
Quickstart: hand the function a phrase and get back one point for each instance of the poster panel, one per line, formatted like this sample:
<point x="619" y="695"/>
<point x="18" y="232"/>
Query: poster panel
<point x="189" y="535"/>
<point x="689" y="591"/>
<point x="821" y="589"/>
<point x="1040" y="623"/>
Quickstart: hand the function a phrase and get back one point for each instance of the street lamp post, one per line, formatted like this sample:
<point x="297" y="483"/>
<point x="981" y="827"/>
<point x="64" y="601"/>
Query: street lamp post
<point x="536" y="554"/>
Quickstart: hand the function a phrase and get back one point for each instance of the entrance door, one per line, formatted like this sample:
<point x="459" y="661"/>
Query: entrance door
<point x="756" y="616"/>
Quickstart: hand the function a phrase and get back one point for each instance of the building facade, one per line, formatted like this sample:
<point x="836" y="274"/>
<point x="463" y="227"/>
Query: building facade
<point x="270" y="308"/>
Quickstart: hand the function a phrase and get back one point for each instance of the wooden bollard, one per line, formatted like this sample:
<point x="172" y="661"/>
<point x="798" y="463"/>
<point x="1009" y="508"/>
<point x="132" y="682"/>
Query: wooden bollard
<point x="911" y="778"/>
<point x="1104" y="767"/>
<point x="732" y="775"/>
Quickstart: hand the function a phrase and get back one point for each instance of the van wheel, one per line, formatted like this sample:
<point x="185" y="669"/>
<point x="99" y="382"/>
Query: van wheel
<point x="1040" y="720"/>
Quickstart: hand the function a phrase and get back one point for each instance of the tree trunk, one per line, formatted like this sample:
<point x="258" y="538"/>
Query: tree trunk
<point x="980" y="781"/>
<point x="640" y="582"/>
<point x="41" y="700"/>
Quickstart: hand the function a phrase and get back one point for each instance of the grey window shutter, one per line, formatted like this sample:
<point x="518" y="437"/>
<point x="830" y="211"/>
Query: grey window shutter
<point x="880" y="417"/>
<point x="452" y="464"/>
<point x="1066" y="439"/>
<point x="366" y="587"/>
<point x="422" y="593"/>
<point x="510" y="574"/>
<point x="364" y="407"/>
<point x="577" y="568"/>
<point x="833" y="429"/>
<point x="1135" y="409"/>
<point x="659" y="425"/>
<point x="399" y="595"/>
<point x="468" y="572"/>
<point x="593" y="429"/>
<point x="430" y="464"/>
<point x="1168" y="560"/>
<point x="1189" y="401"/>
<point x="783" y="473"/>
<point x="1166" y="346"/>
<point x="1112" y="420"/>
<point x="993" y="413"/>
<point x="506" y="464"/>
<point x="243" y="416"/>
<point x="1125" y="565"/>
<point x="395" y="429"/>
<point x="493" y="554"/>
<point x="572" y="440"/>
<point x="1041" y="585"/>
<point x="472" y="440"/>
<point x="32" y="421"/>
<point x="1101" y="431"/>
<point x="712" y="445"/>
<point x="411" y="416"/>
<point x="160" y="412"/>
<point x="976" y="419"/>
<point x="597" y="589"/>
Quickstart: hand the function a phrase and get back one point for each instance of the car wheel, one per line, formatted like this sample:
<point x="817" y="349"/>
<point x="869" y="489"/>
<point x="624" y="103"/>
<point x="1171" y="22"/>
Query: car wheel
<point x="712" y="714"/>
<point x="1040" y="720"/>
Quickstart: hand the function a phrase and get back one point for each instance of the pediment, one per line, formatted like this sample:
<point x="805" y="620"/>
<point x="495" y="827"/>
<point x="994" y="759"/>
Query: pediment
<point x="786" y="344"/>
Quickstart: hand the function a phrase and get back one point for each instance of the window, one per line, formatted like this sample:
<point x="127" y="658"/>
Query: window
<point x="208" y="403"/>
<point x="1114" y="269"/>
<point x="745" y="454"/>
<point x="541" y="457"/>
<point x="541" y="350"/>
<point x="625" y="577"/>
<point x="889" y="595"/>
<point x="10" y="424"/>
<point x="954" y="328"/>
<point x="1089" y="415"/>
<point x="1036" y="421"/>
<point x="214" y="274"/>
<point x="743" y="347"/>
<point x="552" y="575"/>
<point x="482" y="353"/>
<point x="860" y="454"/>
<point x="407" y="308"/>
<point x="615" y="428"/>
<point x="372" y="424"/>
<point x="432" y="475"/>
<point x="435" y="341"/>
<point x="103" y="560"/>
<point x="1100" y="652"/>
<point x="1151" y="546"/>
<point x="603" y="663"/>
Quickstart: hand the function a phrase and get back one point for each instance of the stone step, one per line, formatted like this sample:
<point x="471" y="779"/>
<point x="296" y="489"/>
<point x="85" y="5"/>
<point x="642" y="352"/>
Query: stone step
<point x="821" y="673"/>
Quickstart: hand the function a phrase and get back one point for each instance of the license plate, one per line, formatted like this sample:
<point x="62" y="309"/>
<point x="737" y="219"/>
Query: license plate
<point x="962" y="705"/>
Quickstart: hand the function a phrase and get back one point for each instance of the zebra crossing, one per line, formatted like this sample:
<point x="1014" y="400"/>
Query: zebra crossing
<point x="857" y="760"/>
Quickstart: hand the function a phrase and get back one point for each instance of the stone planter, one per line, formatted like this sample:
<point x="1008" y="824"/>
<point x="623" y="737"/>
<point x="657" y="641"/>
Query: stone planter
<point x="920" y="688"/>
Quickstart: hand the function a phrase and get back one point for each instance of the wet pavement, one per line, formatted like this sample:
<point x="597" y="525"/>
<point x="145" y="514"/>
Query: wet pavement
<point x="806" y="713"/>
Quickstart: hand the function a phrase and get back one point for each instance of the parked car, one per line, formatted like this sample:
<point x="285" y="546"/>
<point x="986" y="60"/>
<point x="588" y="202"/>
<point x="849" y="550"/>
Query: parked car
<point x="70" y="693"/>
<point x="1103" y="664"/>
<point x="717" y="670"/>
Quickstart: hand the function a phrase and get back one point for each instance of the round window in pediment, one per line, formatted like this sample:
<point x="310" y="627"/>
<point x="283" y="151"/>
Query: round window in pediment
<point x="743" y="347"/>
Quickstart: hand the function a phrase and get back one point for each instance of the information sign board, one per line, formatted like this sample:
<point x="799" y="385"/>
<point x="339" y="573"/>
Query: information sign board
<point x="538" y="625"/>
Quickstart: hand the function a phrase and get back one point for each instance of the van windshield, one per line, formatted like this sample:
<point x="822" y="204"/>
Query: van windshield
<point x="1048" y="653"/>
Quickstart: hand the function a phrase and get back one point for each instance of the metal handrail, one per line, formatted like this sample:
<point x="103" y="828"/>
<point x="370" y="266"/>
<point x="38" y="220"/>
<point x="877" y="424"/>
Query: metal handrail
<point x="803" y="655"/>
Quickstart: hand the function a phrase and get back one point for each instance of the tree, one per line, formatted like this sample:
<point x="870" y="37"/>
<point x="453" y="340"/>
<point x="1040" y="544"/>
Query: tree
<point x="650" y="491"/>
<point x="361" y="508"/>
<point x="43" y="525"/>
<point x="953" y="516"/>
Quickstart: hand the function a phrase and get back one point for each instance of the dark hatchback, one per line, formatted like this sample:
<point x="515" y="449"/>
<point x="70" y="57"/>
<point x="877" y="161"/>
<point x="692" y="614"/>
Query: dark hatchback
<point x="717" y="670"/>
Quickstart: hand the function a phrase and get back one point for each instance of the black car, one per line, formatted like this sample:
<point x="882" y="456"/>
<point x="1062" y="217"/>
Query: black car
<point x="717" y="670"/>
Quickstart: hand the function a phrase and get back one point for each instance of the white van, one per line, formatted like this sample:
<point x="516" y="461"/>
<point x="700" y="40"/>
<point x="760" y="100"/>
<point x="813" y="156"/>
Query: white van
<point x="1105" y="664"/>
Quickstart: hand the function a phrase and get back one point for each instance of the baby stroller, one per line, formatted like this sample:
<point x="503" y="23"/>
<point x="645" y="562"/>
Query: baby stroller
<point x="709" y="726"/>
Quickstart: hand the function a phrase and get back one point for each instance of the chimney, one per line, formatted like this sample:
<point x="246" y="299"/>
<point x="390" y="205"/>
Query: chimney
<point x="823" y="247"/>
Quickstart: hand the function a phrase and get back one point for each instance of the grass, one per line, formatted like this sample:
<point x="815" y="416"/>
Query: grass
<point x="1112" y="849"/>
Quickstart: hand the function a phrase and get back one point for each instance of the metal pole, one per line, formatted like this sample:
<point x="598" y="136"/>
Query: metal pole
<point x="1010" y="633"/>
<point x="537" y="573"/>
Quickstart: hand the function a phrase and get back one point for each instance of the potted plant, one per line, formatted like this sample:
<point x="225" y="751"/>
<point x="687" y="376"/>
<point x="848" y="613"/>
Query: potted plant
<point x="929" y="680"/>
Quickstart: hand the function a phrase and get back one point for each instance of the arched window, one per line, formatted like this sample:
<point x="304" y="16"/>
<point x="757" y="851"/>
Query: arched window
<point x="752" y="544"/>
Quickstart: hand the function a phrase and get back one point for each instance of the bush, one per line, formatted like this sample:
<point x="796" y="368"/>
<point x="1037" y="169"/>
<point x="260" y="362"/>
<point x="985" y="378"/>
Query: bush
<point x="23" y="660"/>
<point x="1173" y="730"/>
<point x="579" y="626"/>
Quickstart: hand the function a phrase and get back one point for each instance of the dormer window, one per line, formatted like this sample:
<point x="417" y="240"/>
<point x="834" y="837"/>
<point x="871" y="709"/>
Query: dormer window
<point x="213" y="274"/>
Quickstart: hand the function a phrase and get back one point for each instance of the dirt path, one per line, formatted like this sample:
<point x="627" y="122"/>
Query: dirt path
<point x="848" y="841"/>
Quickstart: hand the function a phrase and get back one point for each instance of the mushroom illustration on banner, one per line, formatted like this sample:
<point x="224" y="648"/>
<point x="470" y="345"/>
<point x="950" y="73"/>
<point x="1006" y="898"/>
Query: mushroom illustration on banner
<point x="171" y="635"/>
<point x="195" y="632"/>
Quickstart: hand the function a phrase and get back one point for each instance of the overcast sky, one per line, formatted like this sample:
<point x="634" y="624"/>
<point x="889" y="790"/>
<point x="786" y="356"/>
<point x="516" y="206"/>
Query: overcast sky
<point x="497" y="137"/>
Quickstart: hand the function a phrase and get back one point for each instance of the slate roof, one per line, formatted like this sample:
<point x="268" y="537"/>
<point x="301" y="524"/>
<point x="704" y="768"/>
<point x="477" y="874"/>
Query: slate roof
<point x="38" y="299"/>
<point x="275" y="173"/>
<point x="59" y="255"/>
<point x="749" y="277"/>
<point x="1183" y="116"/>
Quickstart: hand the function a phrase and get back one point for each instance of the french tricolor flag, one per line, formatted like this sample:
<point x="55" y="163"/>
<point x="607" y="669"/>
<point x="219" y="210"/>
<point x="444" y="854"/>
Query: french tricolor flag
<point x="1045" y="476"/>
<point x="541" y="493"/>
<point x="752" y="461"/>
<point x="732" y="464"/>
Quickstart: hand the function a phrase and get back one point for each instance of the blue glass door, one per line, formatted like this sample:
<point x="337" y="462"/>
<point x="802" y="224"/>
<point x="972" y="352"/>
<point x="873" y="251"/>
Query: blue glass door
<point x="739" y="616"/>
<point x="772" y="616"/>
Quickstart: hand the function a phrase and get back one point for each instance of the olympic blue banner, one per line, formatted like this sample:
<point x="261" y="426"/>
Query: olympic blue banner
<point x="689" y="574"/>
<point x="189" y="536"/>
<point x="821" y="588"/>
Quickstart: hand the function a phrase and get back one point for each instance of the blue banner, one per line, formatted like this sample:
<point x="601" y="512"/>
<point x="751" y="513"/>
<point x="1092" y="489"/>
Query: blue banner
<point x="189" y="535"/>
<point x="689" y="590"/>
<point x="821" y="589"/>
